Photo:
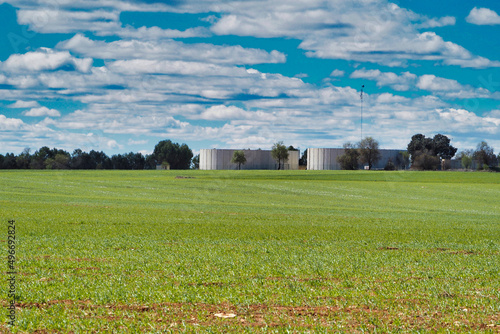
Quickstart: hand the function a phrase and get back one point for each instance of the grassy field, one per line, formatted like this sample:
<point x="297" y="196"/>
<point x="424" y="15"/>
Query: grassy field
<point x="253" y="251"/>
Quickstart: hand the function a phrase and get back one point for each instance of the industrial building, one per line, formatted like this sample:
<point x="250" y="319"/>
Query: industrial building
<point x="326" y="158"/>
<point x="256" y="159"/>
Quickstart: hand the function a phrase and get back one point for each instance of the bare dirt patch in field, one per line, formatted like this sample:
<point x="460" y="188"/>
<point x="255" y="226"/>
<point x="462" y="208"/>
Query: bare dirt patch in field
<point x="351" y="318"/>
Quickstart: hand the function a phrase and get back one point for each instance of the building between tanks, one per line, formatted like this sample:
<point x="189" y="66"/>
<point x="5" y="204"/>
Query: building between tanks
<point x="256" y="159"/>
<point x="327" y="159"/>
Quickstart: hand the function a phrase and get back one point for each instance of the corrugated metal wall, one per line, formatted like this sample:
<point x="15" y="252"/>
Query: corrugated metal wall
<point x="326" y="158"/>
<point x="256" y="159"/>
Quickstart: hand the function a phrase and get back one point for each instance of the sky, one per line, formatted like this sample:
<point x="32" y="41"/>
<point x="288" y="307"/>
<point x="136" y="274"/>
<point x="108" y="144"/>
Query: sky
<point x="120" y="76"/>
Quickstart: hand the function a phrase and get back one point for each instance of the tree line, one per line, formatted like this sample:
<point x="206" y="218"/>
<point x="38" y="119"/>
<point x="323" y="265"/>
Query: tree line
<point x="166" y="153"/>
<point x="422" y="153"/>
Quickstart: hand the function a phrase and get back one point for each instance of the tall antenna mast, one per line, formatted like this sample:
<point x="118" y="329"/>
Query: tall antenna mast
<point x="361" y="97"/>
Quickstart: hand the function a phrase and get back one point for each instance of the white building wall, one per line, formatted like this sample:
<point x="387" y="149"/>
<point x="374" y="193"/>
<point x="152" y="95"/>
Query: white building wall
<point x="323" y="158"/>
<point x="256" y="159"/>
<point x="326" y="158"/>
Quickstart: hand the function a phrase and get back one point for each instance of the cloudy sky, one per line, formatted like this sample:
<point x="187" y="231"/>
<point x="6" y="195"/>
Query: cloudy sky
<point x="119" y="76"/>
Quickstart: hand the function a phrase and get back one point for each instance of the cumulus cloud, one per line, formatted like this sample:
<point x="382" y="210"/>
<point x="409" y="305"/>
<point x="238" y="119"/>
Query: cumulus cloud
<point x="45" y="59"/>
<point x="24" y="104"/>
<point x="42" y="111"/>
<point x="149" y="33"/>
<point x="169" y="50"/>
<point x="119" y="5"/>
<point x="432" y="83"/>
<point x="57" y="20"/>
<point x="390" y="98"/>
<point x="10" y="124"/>
<point x="483" y="16"/>
<point x="441" y="22"/>
<point x="141" y="66"/>
<point x="337" y="73"/>
<point x="463" y="121"/>
<point x="408" y="81"/>
<point x="222" y="112"/>
<point x="402" y="82"/>
<point x="374" y="31"/>
<point x="451" y="88"/>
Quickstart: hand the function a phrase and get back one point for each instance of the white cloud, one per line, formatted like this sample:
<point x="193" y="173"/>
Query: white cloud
<point x="494" y="113"/>
<point x="10" y="124"/>
<point x="42" y="111"/>
<point x="402" y="82"/>
<point x="119" y="5"/>
<point x="45" y="59"/>
<point x="441" y="22"/>
<point x="451" y="88"/>
<point x="142" y="66"/>
<point x="483" y="16"/>
<point x="57" y="20"/>
<point x="368" y="31"/>
<point x="222" y="112"/>
<point x="113" y="144"/>
<point x="390" y="98"/>
<point x="375" y="31"/>
<point x="145" y="33"/>
<point x="408" y="81"/>
<point x="169" y="50"/>
<point x="137" y="142"/>
<point x="432" y="83"/>
<point x="463" y="121"/>
<point x="24" y="104"/>
<point x="337" y="73"/>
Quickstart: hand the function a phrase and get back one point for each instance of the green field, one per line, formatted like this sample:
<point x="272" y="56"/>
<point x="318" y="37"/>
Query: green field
<point x="283" y="251"/>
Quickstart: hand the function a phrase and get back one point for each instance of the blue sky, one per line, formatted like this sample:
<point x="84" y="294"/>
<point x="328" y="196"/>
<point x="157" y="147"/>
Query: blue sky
<point x="119" y="76"/>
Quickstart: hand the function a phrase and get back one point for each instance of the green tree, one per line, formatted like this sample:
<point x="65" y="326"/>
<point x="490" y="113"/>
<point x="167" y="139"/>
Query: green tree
<point x="442" y="148"/>
<point x="419" y="145"/>
<point x="303" y="159"/>
<point x="484" y="156"/>
<point x="38" y="159"/>
<point x="136" y="161"/>
<point x="81" y="160"/>
<point x="350" y="159"/>
<point x="23" y="160"/>
<point x="369" y="152"/>
<point x="426" y="152"/>
<point x="390" y="165"/>
<point x="239" y="158"/>
<point x="46" y="158"/>
<point x="279" y="153"/>
<point x="150" y="161"/>
<point x="60" y="161"/>
<point x="425" y="160"/>
<point x="177" y="156"/>
<point x="9" y="161"/>
<point x="100" y="160"/>
<point x="466" y="157"/>
<point x="196" y="162"/>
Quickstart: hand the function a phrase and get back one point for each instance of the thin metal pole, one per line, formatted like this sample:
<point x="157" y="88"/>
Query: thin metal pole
<point x="361" y="97"/>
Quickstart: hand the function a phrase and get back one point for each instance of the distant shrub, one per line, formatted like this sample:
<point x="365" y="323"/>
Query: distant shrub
<point x="424" y="161"/>
<point x="390" y="165"/>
